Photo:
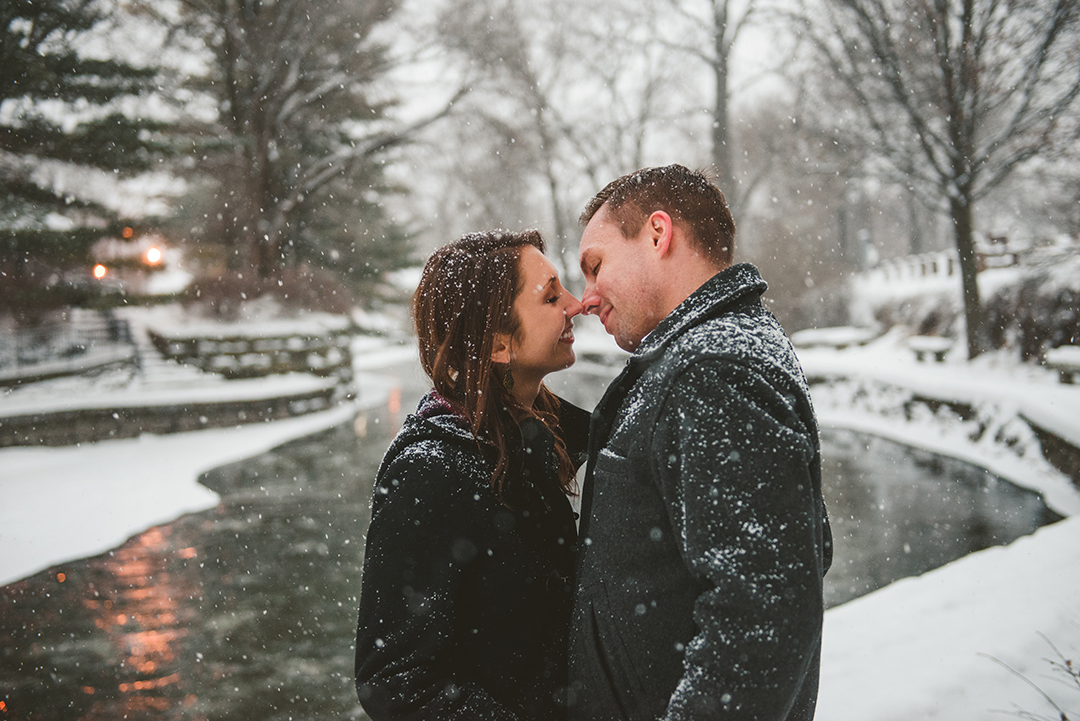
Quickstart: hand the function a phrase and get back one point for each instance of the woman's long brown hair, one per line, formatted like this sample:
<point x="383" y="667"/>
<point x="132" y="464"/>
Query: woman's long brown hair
<point x="466" y="295"/>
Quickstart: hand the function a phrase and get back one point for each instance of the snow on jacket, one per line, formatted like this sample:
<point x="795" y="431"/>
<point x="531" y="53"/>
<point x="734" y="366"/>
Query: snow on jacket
<point x="704" y="536"/>
<point x="465" y="603"/>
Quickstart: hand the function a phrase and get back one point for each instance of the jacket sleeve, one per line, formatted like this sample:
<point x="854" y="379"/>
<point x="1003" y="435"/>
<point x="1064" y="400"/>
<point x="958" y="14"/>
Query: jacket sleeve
<point x="423" y="531"/>
<point x="736" y="465"/>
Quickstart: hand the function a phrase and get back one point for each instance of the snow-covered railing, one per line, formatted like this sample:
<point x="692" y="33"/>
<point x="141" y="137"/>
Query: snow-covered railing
<point x="263" y="350"/>
<point x="87" y="340"/>
<point x="912" y="267"/>
<point x="943" y="264"/>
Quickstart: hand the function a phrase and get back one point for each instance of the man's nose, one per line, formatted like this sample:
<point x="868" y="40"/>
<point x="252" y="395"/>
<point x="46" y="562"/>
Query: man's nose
<point x="590" y="300"/>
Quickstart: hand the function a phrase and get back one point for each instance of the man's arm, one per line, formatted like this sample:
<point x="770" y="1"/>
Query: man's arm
<point x="735" y="463"/>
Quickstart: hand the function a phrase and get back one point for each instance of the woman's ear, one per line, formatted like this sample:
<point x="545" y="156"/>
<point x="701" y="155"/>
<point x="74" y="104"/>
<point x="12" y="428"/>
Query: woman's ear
<point x="500" y="348"/>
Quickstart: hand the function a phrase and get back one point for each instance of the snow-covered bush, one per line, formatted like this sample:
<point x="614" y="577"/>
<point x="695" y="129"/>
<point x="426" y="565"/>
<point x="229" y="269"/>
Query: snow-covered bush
<point x="1042" y="310"/>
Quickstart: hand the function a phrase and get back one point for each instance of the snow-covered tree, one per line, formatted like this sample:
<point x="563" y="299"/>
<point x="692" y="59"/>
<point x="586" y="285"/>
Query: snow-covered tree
<point x="296" y="155"/>
<point x="60" y="119"/>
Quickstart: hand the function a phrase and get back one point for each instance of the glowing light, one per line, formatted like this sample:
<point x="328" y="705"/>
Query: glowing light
<point x="128" y="232"/>
<point x="153" y="256"/>
<point x="100" y="271"/>
<point x="61" y="577"/>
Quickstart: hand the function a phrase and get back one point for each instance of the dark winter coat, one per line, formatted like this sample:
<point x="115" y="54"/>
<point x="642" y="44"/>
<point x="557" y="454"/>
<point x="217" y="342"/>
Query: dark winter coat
<point x="465" y="603"/>
<point x="704" y="536"/>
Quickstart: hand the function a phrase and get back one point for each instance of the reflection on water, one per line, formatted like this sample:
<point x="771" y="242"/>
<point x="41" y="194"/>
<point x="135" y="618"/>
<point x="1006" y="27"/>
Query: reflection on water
<point x="247" y="611"/>
<point x="897" y="511"/>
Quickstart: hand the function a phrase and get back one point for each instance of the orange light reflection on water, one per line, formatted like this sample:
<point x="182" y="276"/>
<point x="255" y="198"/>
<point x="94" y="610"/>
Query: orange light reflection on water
<point x="143" y="620"/>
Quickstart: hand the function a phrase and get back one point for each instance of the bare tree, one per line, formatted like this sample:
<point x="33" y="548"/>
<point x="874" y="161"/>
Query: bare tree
<point x="708" y="33"/>
<point x="955" y="95"/>
<point x="565" y="95"/>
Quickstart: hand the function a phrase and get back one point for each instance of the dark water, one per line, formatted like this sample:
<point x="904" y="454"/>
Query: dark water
<point x="247" y="611"/>
<point x="898" y="511"/>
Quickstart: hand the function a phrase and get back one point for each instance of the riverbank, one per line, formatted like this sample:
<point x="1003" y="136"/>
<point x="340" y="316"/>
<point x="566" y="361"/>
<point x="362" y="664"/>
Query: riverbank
<point x="932" y="647"/>
<point x="63" y="503"/>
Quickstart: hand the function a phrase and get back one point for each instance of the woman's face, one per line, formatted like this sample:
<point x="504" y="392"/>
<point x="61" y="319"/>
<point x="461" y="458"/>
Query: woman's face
<point x="544" y="342"/>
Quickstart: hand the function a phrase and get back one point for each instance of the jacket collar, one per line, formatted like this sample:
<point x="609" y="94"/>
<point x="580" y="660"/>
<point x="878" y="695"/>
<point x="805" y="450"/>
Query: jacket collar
<point x="718" y="293"/>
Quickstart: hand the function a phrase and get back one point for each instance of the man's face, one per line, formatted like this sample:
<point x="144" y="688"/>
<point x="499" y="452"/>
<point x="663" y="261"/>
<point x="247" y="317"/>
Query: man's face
<point x="620" y="278"/>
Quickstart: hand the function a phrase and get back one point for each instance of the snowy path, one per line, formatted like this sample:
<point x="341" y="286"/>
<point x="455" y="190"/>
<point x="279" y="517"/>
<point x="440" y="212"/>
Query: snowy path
<point x="915" y="649"/>
<point x="78" y="501"/>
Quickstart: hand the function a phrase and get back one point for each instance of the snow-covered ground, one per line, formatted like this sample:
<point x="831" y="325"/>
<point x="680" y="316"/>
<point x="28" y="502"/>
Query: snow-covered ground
<point x="932" y="647"/>
<point x="921" y="648"/>
<point x="66" y="503"/>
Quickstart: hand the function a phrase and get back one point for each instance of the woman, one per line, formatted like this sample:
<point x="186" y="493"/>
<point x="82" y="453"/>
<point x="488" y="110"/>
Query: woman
<point x="465" y="600"/>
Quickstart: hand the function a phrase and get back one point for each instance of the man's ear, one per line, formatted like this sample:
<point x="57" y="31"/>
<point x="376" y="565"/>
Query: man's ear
<point x="660" y="229"/>
<point x="500" y="348"/>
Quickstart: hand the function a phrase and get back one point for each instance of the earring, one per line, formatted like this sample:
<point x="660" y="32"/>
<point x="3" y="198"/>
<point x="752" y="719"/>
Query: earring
<point x="508" y="379"/>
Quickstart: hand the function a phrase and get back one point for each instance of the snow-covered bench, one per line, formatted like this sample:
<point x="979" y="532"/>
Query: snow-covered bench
<point x="1065" y="360"/>
<point x="924" y="345"/>
<point x="839" y="337"/>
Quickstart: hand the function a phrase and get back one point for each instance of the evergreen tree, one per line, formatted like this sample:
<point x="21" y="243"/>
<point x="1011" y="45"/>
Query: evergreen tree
<point x="303" y="135"/>
<point x="59" y="114"/>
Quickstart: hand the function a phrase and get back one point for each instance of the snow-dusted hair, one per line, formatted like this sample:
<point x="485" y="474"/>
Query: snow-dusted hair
<point x="690" y="197"/>
<point x="466" y="295"/>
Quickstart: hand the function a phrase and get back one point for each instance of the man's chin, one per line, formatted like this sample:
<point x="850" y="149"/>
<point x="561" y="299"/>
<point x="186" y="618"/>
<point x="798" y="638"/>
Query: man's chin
<point x="627" y="344"/>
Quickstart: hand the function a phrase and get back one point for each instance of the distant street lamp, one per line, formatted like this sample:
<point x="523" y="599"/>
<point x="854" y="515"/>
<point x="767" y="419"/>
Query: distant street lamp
<point x="100" y="271"/>
<point x="153" y="256"/>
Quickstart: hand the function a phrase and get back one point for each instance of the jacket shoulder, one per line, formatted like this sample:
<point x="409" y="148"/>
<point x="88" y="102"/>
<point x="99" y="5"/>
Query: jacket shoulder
<point x="433" y="467"/>
<point x="750" y="337"/>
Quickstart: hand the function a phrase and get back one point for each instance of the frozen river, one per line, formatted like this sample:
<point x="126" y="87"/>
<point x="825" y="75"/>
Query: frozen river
<point x="247" y="611"/>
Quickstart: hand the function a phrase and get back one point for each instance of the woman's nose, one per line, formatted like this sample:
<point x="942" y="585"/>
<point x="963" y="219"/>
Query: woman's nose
<point x="574" y="307"/>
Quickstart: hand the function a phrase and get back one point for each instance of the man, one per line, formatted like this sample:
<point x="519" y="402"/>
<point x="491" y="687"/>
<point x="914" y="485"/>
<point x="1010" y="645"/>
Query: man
<point x="704" y="536"/>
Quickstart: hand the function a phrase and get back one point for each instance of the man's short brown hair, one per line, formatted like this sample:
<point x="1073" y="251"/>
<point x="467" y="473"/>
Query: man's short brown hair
<point x="690" y="197"/>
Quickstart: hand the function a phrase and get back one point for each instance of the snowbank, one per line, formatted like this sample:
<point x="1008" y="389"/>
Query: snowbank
<point x="922" y="648"/>
<point x="73" y="502"/>
<point x="919" y="648"/>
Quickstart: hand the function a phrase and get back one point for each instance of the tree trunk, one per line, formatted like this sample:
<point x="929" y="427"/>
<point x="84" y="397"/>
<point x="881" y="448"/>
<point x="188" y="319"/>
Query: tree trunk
<point x="961" y="212"/>
<point x="721" y="147"/>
